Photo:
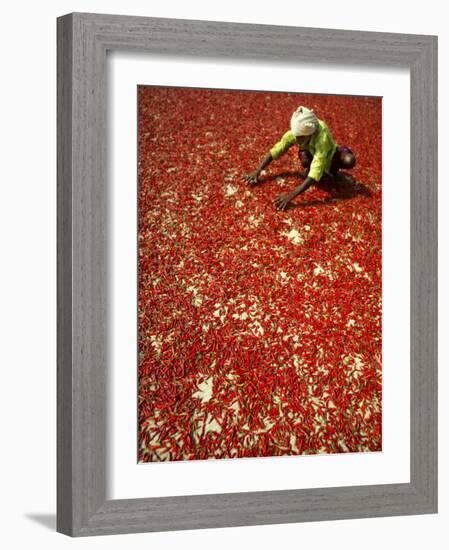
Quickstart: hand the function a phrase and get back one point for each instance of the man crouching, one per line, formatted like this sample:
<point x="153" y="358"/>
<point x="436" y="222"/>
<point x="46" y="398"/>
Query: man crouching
<point x="318" y="153"/>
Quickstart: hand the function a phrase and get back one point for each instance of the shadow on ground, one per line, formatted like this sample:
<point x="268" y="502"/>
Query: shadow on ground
<point x="46" y="520"/>
<point x="343" y="188"/>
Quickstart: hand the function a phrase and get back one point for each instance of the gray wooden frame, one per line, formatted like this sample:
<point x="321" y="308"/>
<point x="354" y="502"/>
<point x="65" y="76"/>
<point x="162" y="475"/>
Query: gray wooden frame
<point x="83" y="40"/>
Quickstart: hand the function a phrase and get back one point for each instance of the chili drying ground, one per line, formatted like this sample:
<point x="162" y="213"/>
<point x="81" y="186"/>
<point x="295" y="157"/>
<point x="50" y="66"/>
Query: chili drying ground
<point x="259" y="331"/>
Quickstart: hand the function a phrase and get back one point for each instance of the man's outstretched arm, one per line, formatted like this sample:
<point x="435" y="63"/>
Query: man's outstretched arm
<point x="282" y="201"/>
<point x="253" y="177"/>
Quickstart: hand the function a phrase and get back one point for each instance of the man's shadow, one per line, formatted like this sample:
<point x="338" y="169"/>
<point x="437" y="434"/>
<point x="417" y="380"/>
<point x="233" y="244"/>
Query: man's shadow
<point x="342" y="187"/>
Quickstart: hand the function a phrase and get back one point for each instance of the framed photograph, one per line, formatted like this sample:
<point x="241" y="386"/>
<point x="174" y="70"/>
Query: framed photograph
<point x="247" y="274"/>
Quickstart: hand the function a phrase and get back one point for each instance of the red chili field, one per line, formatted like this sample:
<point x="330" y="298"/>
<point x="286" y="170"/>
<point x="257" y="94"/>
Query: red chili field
<point x="259" y="331"/>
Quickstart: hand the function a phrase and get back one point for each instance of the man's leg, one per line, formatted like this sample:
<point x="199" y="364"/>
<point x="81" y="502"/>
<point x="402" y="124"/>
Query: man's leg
<point x="344" y="159"/>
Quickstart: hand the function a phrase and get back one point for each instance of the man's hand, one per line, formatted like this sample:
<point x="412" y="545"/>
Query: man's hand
<point x="252" y="178"/>
<point x="282" y="201"/>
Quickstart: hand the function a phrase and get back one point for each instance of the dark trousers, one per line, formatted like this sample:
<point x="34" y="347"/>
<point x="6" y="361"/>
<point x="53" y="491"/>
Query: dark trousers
<point x="338" y="160"/>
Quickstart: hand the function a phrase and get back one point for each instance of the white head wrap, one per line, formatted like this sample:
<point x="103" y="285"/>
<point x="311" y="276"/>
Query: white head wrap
<point x="303" y="122"/>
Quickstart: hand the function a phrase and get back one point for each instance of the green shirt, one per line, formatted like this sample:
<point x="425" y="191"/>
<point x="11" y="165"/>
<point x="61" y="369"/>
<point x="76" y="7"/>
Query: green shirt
<point x="321" y="145"/>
